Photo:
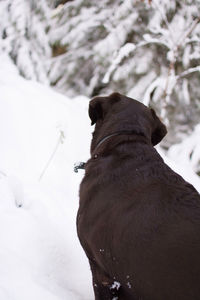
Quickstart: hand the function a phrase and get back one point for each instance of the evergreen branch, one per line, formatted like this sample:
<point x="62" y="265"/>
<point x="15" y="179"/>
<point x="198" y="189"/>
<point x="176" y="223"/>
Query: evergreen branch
<point x="119" y="57"/>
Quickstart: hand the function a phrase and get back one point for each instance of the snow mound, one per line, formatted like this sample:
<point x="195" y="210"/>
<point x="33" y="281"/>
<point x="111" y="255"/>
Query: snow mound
<point x="40" y="256"/>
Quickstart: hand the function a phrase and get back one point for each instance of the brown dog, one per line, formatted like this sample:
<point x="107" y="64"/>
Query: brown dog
<point x="138" y="221"/>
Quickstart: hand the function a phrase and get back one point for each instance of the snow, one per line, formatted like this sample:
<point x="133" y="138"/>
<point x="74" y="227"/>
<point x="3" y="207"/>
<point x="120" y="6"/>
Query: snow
<point x="41" y="257"/>
<point x="42" y="135"/>
<point x="188" y="151"/>
<point x="115" y="285"/>
<point x="129" y="285"/>
<point x="181" y="166"/>
<point x="124" y="52"/>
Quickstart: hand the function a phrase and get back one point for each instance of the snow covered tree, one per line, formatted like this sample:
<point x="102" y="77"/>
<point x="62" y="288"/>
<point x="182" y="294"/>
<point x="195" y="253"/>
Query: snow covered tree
<point x="23" y="30"/>
<point x="146" y="49"/>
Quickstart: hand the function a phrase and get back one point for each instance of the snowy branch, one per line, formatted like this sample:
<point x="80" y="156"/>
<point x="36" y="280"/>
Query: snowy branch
<point x="188" y="72"/>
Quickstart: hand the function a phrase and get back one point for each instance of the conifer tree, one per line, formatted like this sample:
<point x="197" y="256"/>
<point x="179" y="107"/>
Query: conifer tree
<point x="149" y="50"/>
<point x="24" y="27"/>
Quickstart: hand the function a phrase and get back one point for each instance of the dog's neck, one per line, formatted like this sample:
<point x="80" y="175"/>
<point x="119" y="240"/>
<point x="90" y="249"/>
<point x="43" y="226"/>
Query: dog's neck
<point x="81" y="165"/>
<point x="105" y="141"/>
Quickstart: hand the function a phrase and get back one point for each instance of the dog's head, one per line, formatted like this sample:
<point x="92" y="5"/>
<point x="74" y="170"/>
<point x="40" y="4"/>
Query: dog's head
<point x="117" y="113"/>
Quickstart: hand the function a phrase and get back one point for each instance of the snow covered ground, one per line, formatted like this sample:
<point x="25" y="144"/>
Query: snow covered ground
<point x="40" y="255"/>
<point x="42" y="134"/>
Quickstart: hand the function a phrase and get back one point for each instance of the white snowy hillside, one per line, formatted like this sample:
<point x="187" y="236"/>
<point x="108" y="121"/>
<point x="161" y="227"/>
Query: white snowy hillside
<point x="40" y="255"/>
<point x="42" y="134"/>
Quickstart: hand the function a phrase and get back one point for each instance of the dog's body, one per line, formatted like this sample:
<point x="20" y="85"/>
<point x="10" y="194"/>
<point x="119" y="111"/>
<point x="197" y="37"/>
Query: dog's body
<point x="138" y="221"/>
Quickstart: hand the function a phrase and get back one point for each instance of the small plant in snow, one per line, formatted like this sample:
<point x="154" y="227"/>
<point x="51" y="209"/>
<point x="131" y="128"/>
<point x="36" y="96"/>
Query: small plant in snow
<point x="60" y="141"/>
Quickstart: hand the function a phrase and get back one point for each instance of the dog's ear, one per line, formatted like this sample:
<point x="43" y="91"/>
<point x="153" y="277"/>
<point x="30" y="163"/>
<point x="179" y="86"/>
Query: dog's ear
<point x="99" y="106"/>
<point x="95" y="111"/>
<point x="159" y="130"/>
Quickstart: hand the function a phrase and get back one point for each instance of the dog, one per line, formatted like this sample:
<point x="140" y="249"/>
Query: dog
<point x="138" y="221"/>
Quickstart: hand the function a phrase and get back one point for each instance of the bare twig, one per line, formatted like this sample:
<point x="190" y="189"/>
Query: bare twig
<point x="176" y="46"/>
<point x="60" y="141"/>
<point x="188" y="32"/>
<point x="154" y="2"/>
<point x="171" y="69"/>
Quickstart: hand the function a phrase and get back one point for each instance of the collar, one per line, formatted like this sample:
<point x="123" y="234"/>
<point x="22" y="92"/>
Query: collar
<point x="81" y="165"/>
<point x="106" y="138"/>
<point x="123" y="132"/>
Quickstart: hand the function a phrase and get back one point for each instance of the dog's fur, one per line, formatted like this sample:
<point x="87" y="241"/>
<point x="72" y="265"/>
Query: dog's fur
<point x="138" y="221"/>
